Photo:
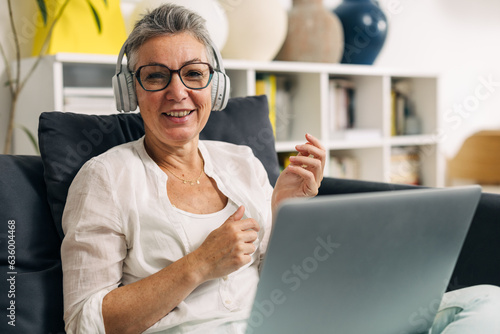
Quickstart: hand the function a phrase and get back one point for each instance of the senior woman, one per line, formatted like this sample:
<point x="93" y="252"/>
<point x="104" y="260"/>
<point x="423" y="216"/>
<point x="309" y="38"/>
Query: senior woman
<point x="168" y="232"/>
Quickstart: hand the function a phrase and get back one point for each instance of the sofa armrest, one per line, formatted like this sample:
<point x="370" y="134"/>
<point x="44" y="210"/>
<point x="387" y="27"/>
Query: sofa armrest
<point x="334" y="186"/>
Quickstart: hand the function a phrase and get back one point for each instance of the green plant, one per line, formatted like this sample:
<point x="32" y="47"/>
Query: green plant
<point x="14" y="81"/>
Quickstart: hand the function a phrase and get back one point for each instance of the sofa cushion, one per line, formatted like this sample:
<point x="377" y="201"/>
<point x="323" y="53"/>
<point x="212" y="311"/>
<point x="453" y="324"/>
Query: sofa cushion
<point x="28" y="233"/>
<point x="68" y="140"/>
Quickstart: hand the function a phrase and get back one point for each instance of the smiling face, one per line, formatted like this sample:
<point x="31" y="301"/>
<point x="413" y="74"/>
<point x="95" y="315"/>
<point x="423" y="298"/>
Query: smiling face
<point x="176" y="115"/>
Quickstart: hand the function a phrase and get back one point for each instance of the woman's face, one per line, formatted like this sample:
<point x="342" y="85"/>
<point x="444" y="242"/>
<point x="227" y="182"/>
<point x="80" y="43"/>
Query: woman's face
<point x="164" y="111"/>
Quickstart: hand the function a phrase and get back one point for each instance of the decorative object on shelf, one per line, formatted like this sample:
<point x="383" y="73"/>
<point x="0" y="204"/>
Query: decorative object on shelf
<point x="210" y="10"/>
<point x="257" y="29"/>
<point x="314" y="34"/>
<point x="365" y="30"/>
<point x="78" y="32"/>
<point x="477" y="160"/>
<point x="405" y="165"/>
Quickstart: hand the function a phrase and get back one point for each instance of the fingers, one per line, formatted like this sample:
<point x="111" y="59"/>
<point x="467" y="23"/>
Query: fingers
<point x="230" y="246"/>
<point x="312" y="149"/>
<point x="245" y="224"/>
<point x="306" y="162"/>
<point x="238" y="214"/>
<point x="310" y="184"/>
<point x="312" y="156"/>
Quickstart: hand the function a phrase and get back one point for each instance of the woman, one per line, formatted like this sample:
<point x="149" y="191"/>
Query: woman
<point x="168" y="232"/>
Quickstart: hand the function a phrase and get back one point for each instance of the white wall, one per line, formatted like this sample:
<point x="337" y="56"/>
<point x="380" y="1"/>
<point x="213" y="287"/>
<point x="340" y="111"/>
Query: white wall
<point x="25" y="22"/>
<point x="460" y="39"/>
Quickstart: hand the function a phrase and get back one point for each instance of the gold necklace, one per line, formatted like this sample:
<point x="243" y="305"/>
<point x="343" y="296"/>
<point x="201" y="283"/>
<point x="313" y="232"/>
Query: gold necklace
<point x="191" y="182"/>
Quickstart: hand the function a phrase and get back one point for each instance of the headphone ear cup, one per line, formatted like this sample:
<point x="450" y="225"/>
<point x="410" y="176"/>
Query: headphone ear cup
<point x="220" y="90"/>
<point x="132" y="97"/>
<point x="124" y="91"/>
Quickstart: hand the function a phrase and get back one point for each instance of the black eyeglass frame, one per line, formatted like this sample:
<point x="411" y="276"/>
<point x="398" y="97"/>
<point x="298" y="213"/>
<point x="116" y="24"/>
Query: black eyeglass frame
<point x="137" y="75"/>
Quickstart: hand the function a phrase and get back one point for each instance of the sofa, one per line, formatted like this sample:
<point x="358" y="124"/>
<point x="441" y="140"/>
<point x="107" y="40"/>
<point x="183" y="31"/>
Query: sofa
<point x="33" y="190"/>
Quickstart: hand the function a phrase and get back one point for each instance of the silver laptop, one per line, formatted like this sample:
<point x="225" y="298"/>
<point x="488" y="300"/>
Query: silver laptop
<point x="375" y="263"/>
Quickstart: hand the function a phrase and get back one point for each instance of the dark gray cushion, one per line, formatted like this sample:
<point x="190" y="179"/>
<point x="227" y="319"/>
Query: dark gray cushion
<point x="68" y="140"/>
<point x="33" y="240"/>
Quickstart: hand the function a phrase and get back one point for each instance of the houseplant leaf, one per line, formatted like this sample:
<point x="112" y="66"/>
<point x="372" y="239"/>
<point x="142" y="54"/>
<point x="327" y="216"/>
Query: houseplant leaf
<point x="96" y="16"/>
<point x="43" y="10"/>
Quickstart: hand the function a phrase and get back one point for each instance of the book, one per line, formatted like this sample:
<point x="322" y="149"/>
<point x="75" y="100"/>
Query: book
<point x="265" y="84"/>
<point x="283" y="108"/>
<point x="404" y="119"/>
<point x="284" y="159"/>
<point x="341" y="105"/>
<point x="278" y="90"/>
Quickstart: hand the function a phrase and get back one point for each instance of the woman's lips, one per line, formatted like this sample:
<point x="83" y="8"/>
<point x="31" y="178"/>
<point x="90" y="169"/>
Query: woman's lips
<point x="178" y="113"/>
<point x="178" y="116"/>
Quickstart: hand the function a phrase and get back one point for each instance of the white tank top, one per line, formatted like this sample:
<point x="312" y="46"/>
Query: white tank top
<point x="199" y="226"/>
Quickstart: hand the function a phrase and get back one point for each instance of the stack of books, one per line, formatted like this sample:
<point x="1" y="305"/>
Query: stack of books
<point x="341" y="105"/>
<point x="404" y="120"/>
<point x="279" y="94"/>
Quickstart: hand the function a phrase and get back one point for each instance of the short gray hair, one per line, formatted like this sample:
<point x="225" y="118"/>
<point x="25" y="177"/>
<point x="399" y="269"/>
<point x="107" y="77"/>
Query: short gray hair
<point x="168" y="19"/>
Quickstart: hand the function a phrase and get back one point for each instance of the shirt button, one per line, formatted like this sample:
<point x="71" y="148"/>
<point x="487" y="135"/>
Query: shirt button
<point x="228" y="302"/>
<point x="224" y="278"/>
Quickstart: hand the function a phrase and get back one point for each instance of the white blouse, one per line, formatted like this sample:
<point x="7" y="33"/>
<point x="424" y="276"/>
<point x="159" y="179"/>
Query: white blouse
<point x="120" y="227"/>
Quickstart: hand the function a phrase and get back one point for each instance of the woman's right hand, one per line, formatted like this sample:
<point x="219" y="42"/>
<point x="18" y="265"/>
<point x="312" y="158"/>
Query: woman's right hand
<point x="226" y="248"/>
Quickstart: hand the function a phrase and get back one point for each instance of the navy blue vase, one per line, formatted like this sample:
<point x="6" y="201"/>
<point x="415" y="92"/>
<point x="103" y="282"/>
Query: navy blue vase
<point x="365" y="30"/>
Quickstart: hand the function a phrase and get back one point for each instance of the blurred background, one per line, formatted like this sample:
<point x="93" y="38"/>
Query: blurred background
<point x="458" y="39"/>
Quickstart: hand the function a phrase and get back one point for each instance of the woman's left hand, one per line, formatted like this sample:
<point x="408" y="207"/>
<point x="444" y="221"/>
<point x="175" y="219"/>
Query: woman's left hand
<point x="303" y="176"/>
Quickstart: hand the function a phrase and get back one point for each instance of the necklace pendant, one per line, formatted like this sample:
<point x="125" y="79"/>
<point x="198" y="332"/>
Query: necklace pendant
<point x="184" y="181"/>
<point x="197" y="181"/>
<point x="191" y="183"/>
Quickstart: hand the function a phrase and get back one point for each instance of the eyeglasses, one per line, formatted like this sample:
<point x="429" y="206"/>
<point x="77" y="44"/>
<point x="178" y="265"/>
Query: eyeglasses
<point x="154" y="78"/>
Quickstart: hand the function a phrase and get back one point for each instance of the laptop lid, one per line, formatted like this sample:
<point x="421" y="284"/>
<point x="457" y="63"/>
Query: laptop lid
<point x="375" y="263"/>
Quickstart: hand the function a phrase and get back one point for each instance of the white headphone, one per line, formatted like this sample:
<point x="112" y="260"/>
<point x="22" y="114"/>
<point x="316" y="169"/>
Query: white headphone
<point x="124" y="88"/>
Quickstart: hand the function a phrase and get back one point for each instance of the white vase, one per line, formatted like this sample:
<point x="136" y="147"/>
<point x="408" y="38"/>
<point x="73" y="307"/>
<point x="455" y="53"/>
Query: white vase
<point x="257" y="29"/>
<point x="210" y="10"/>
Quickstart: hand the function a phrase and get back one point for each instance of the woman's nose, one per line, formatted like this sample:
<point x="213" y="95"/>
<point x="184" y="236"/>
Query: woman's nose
<point x="176" y="90"/>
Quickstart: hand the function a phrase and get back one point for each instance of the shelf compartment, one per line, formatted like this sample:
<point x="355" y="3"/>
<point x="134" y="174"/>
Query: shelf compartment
<point x="366" y="161"/>
<point x="414" y="105"/>
<point x="302" y="113"/>
<point x="413" y="165"/>
<point x="87" y="75"/>
<point x="355" y="104"/>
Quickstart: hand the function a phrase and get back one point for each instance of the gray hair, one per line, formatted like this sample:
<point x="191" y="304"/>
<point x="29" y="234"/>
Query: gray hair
<point x="168" y="19"/>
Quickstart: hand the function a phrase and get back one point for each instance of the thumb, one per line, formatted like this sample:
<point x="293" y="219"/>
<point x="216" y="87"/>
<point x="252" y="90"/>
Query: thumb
<point x="238" y="214"/>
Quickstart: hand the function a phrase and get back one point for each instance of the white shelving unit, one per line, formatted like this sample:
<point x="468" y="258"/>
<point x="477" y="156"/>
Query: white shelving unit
<point x="63" y="77"/>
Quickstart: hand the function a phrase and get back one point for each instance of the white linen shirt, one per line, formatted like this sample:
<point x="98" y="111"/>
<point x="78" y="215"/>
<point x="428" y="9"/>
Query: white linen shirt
<point x="120" y="227"/>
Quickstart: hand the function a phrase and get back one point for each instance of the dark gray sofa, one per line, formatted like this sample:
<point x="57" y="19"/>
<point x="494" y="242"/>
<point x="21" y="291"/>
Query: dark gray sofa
<point x="32" y="188"/>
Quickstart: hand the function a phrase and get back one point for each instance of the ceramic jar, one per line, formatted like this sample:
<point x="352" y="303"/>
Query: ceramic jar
<point x="257" y="29"/>
<point x="314" y="34"/>
<point x="365" y="30"/>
